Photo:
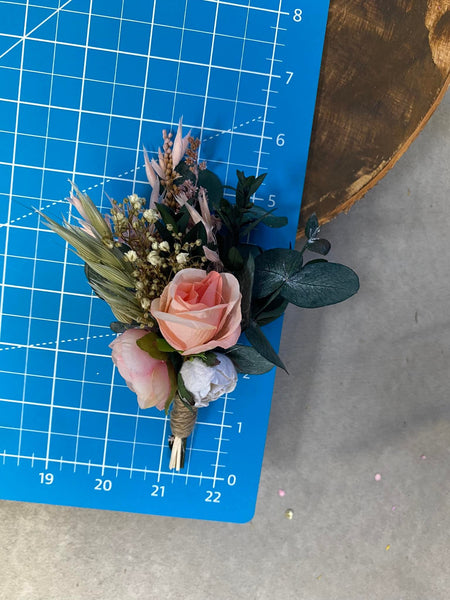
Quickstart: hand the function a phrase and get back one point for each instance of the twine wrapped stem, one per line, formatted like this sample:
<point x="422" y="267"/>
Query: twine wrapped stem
<point x="182" y="421"/>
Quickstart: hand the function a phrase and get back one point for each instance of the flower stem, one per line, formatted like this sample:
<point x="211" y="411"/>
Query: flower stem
<point x="182" y="422"/>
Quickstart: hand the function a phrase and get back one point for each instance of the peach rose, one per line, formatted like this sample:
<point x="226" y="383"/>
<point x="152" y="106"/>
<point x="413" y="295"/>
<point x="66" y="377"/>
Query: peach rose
<point x="199" y="311"/>
<point x="147" y="377"/>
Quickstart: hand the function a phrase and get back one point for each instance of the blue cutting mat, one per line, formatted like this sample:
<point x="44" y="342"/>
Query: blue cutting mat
<point x="84" y="85"/>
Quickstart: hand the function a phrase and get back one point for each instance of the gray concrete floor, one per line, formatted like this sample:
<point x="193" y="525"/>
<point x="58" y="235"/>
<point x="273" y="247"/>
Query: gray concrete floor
<point x="368" y="393"/>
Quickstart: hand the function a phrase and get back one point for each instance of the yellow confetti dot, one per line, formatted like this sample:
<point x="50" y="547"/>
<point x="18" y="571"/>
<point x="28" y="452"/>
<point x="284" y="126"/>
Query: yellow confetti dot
<point x="388" y="547"/>
<point x="289" y="514"/>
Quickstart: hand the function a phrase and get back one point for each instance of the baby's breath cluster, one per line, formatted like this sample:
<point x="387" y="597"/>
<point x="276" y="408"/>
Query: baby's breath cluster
<point x="134" y="252"/>
<point x="154" y="260"/>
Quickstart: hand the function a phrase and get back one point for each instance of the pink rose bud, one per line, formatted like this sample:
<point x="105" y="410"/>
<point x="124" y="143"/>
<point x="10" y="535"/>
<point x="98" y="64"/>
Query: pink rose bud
<point x="199" y="311"/>
<point x="147" y="377"/>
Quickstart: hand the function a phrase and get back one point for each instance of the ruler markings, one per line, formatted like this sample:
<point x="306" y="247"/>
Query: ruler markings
<point x="249" y="125"/>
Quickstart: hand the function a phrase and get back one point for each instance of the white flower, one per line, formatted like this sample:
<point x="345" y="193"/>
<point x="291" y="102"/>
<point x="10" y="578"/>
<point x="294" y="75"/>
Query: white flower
<point x="153" y="258"/>
<point x="207" y="384"/>
<point x="135" y="201"/>
<point x="182" y="258"/>
<point x="151" y="215"/>
<point x="145" y="303"/>
<point x="131" y="256"/>
<point x="164" y="246"/>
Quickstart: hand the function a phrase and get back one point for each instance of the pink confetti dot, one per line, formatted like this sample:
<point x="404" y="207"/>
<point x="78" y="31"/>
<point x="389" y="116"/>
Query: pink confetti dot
<point x="281" y="493"/>
<point x="394" y="508"/>
<point x="423" y="457"/>
<point x="378" y="477"/>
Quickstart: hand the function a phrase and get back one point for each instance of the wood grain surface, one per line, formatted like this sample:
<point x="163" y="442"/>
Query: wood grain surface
<point x="386" y="65"/>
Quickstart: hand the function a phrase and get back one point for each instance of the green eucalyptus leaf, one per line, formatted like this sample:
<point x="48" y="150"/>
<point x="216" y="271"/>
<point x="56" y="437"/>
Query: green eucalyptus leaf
<point x="320" y="284"/>
<point x="316" y="260"/>
<point x="259" y="214"/>
<point x="274" y="269"/>
<point x="248" y="360"/>
<point x="253" y="224"/>
<point x="262" y="345"/>
<point x="312" y="225"/>
<point x="319" y="246"/>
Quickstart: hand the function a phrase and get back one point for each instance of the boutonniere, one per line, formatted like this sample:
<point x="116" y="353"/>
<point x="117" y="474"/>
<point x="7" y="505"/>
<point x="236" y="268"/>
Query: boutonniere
<point x="190" y="292"/>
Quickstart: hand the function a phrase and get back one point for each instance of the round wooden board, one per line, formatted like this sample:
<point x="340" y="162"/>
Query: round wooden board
<point x="386" y="66"/>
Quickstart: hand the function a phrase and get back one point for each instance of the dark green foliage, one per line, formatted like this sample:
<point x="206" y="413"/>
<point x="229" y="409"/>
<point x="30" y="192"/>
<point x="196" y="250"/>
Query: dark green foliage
<point x="274" y="269"/>
<point x="184" y="172"/>
<point x="163" y="232"/>
<point x="168" y="216"/>
<point x="245" y="277"/>
<point x="235" y="260"/>
<point x="198" y="232"/>
<point x="312" y="227"/>
<point x="184" y="393"/>
<point x="209" y="358"/>
<point x="319" y="246"/>
<point x="183" y="218"/>
<point x="321" y="284"/>
<point x="264" y="313"/>
<point x="262" y="345"/>
<point x="246" y="187"/>
<point x="212" y="185"/>
<point x="248" y="360"/>
<point x="118" y="327"/>
<point x="318" y="283"/>
<point x="256" y="215"/>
